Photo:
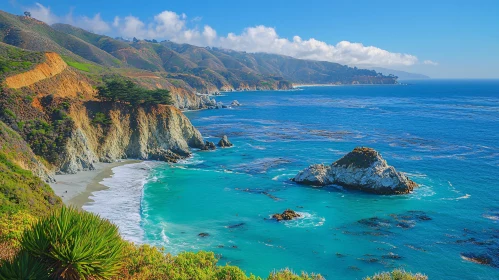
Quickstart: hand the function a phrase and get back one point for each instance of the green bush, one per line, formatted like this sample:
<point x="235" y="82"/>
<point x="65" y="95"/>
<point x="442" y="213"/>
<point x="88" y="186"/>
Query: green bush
<point x="101" y="118"/>
<point x="23" y="266"/>
<point x="75" y="244"/>
<point x="397" y="274"/>
<point x="119" y="90"/>
<point x="287" y="274"/>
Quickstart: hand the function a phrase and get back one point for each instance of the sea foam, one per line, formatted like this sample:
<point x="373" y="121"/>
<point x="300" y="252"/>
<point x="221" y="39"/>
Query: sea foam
<point x="121" y="202"/>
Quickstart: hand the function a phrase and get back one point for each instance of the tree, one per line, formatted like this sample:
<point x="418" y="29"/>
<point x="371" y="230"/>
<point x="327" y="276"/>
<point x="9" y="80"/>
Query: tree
<point x="135" y="40"/>
<point x="27" y="14"/>
<point x="119" y="90"/>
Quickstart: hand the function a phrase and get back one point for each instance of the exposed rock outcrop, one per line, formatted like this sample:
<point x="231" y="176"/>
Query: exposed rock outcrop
<point x="157" y="132"/>
<point x="224" y="142"/>
<point x="235" y="103"/>
<point x="362" y="169"/>
<point x="287" y="215"/>
<point x="209" y="146"/>
<point x="146" y="132"/>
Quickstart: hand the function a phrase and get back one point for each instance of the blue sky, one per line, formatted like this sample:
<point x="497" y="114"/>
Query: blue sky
<point x="443" y="39"/>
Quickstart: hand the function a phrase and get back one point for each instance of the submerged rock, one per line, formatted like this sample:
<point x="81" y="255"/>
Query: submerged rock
<point x="286" y="215"/>
<point x="362" y="169"/>
<point x="480" y="259"/>
<point x="203" y="234"/>
<point x="224" y="142"/>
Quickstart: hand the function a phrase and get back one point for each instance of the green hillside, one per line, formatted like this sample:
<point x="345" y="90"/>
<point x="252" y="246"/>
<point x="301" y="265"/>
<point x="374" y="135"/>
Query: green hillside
<point x="233" y="67"/>
<point x="31" y="34"/>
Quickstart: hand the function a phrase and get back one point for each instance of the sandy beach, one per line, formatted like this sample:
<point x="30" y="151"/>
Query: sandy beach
<point x="75" y="189"/>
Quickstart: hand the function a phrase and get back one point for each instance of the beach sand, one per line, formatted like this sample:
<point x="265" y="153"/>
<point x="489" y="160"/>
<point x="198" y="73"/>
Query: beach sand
<point x="75" y="189"/>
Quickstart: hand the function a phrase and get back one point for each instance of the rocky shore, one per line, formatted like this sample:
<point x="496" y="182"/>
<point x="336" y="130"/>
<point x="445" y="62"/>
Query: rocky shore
<point x="362" y="169"/>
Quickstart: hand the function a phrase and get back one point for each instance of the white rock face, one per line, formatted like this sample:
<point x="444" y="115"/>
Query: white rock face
<point x="158" y="133"/>
<point x="362" y="169"/>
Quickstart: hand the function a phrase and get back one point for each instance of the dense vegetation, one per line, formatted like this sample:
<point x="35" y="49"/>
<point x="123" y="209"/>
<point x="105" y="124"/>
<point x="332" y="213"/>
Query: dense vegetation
<point x="126" y="91"/>
<point x="23" y="197"/>
<point x="21" y="190"/>
<point x="46" y="134"/>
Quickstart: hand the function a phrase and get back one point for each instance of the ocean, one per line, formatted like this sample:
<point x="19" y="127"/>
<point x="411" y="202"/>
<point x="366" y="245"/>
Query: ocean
<point x="443" y="133"/>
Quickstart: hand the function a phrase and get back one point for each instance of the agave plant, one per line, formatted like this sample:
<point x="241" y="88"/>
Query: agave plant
<point x="23" y="266"/>
<point x="75" y="245"/>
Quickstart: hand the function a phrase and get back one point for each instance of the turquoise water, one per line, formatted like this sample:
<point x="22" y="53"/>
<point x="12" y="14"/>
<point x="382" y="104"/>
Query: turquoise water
<point x="443" y="134"/>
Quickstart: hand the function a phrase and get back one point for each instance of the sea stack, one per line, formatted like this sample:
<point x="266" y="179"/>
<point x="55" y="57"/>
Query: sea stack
<point x="362" y="169"/>
<point x="224" y="142"/>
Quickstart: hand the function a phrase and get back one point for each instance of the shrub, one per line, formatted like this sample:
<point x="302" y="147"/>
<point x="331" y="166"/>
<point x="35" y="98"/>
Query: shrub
<point x="397" y="274"/>
<point x="287" y="274"/>
<point x="144" y="262"/>
<point x="232" y="273"/>
<point x="23" y="266"/>
<point x="119" y="90"/>
<point x="12" y="226"/>
<point x="75" y="244"/>
<point x="100" y="118"/>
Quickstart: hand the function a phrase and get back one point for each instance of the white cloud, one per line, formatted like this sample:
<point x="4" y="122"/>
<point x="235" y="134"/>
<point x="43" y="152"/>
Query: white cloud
<point x="95" y="24"/>
<point x="172" y="26"/>
<point x="429" y="62"/>
<point x="43" y="13"/>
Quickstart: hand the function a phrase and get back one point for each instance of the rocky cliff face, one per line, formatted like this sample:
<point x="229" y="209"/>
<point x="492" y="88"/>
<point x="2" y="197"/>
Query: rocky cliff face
<point x="57" y="92"/>
<point x="158" y="132"/>
<point x="362" y="169"/>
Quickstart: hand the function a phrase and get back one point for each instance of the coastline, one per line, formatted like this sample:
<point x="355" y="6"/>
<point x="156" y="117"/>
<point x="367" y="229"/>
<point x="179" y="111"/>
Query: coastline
<point x="76" y="189"/>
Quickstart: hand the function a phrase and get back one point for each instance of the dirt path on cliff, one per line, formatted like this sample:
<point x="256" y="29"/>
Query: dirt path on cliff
<point x="53" y="65"/>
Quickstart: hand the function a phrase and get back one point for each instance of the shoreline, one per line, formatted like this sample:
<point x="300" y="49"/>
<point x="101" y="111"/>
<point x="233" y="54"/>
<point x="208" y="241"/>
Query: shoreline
<point x="76" y="189"/>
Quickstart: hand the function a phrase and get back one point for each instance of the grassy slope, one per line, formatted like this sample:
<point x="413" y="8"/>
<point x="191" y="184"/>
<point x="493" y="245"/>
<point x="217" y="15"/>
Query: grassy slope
<point x="34" y="35"/>
<point x="15" y="60"/>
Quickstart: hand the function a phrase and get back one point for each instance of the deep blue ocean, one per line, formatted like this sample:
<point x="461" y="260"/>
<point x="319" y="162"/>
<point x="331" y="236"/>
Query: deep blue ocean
<point x="443" y="133"/>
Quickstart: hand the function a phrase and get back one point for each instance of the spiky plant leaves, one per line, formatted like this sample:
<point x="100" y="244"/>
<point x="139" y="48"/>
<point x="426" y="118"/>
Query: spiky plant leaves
<point x="23" y="266"/>
<point x="76" y="244"/>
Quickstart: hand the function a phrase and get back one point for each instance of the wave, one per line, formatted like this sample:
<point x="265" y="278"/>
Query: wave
<point x="287" y="176"/>
<point x="121" y="202"/>
<point x="306" y="220"/>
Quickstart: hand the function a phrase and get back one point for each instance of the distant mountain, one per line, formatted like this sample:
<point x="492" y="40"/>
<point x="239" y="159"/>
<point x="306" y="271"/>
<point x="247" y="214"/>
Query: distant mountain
<point x="402" y="75"/>
<point x="195" y="69"/>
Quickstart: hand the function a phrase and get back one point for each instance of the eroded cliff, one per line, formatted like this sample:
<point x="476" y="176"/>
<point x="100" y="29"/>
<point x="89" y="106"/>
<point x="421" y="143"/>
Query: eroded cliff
<point x="57" y="113"/>
<point x="157" y="132"/>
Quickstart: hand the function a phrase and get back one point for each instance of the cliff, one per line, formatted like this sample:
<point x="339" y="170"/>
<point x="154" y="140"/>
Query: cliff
<point x="158" y="132"/>
<point x="55" y="110"/>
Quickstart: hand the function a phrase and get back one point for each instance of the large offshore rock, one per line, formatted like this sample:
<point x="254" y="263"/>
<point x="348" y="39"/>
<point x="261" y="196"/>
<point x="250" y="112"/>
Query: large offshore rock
<point x="362" y="169"/>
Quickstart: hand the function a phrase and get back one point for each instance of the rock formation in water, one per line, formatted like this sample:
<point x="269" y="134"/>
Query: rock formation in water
<point x="235" y="103"/>
<point x="224" y="142"/>
<point x="287" y="215"/>
<point x="209" y="146"/>
<point x="362" y="169"/>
